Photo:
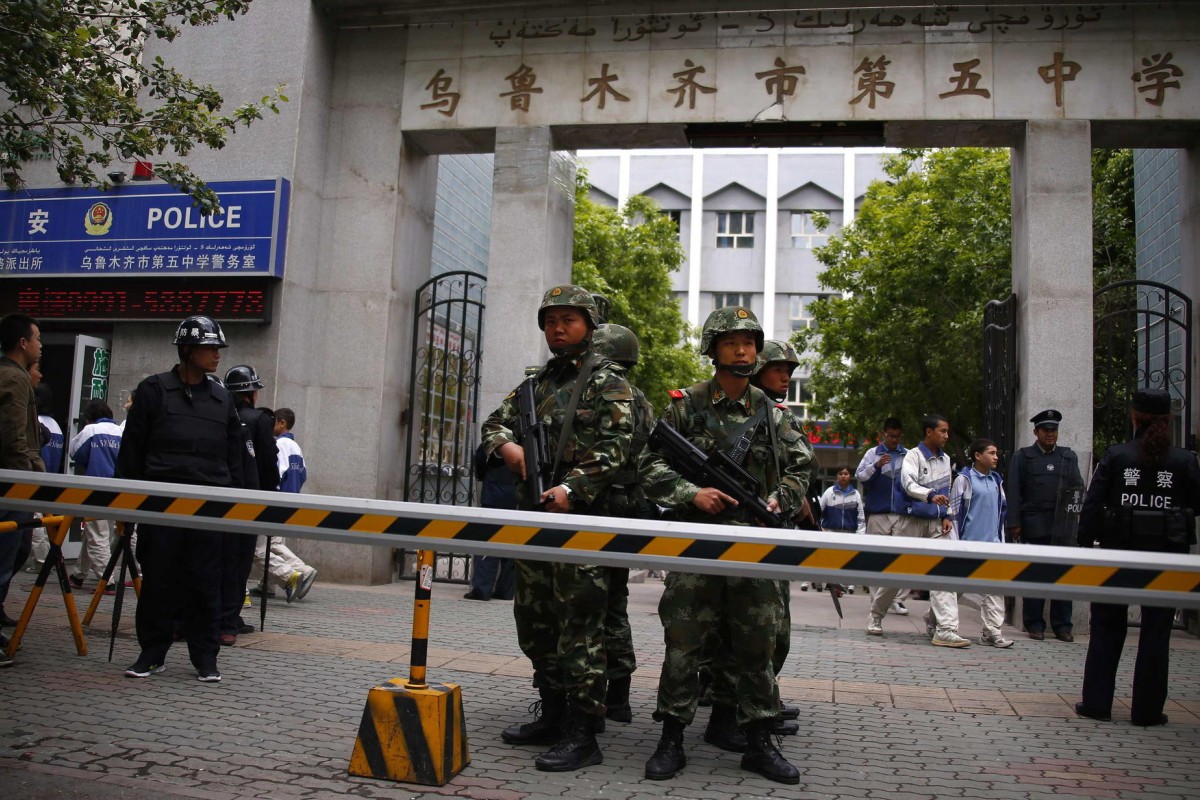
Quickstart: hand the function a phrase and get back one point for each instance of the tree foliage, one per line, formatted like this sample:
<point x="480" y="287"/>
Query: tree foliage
<point x="629" y="256"/>
<point x="929" y="247"/>
<point x="83" y="93"/>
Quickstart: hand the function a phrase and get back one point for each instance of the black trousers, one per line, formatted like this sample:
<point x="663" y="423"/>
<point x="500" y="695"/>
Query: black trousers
<point x="1109" y="625"/>
<point x="181" y="579"/>
<point x="237" y="559"/>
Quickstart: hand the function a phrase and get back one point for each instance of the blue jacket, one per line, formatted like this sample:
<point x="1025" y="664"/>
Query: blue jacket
<point x="969" y="524"/>
<point x="95" y="449"/>
<point x="292" y="472"/>
<point x="882" y="493"/>
<point x="52" y="451"/>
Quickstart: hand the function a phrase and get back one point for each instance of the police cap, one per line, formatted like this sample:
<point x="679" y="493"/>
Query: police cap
<point x="1047" y="419"/>
<point x="1152" y="401"/>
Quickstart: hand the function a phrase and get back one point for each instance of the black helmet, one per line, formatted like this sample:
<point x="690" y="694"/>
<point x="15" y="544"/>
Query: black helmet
<point x="200" y="330"/>
<point x="242" y="378"/>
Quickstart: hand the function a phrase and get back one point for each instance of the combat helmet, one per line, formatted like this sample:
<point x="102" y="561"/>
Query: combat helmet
<point x="570" y="295"/>
<point x="242" y="378"/>
<point x="776" y="350"/>
<point x="616" y="342"/>
<point x="200" y="330"/>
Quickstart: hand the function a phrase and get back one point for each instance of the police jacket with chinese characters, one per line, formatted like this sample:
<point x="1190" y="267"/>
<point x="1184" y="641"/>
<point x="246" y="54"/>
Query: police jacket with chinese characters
<point x="181" y="433"/>
<point x="712" y="420"/>
<point x="1034" y="480"/>
<point x="1136" y="505"/>
<point x="602" y="430"/>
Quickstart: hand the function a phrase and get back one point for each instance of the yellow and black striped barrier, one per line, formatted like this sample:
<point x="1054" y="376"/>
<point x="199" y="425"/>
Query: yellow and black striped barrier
<point x="1075" y="573"/>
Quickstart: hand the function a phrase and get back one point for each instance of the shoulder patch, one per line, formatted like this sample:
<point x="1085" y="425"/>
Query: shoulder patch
<point x="676" y="394"/>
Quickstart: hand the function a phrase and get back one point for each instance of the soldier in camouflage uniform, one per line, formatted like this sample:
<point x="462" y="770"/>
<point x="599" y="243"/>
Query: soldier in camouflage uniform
<point x="623" y="498"/>
<point x="559" y="608"/>
<point x="776" y="363"/>
<point x="725" y="413"/>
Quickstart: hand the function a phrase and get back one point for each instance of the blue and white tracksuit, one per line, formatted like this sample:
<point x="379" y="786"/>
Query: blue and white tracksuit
<point x="94" y="450"/>
<point x="842" y="510"/>
<point x="292" y="474"/>
<point x="978" y="508"/>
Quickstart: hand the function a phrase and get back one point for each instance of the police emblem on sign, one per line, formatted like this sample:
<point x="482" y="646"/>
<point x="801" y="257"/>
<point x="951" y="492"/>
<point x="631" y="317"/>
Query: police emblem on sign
<point x="98" y="220"/>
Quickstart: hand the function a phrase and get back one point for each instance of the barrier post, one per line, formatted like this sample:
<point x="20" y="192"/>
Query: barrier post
<point x="413" y="731"/>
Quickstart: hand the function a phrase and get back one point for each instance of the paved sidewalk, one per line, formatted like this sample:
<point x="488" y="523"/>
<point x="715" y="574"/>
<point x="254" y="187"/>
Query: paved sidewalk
<point x="889" y="717"/>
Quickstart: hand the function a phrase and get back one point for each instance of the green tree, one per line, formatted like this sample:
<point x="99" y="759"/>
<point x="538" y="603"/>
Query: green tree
<point x="929" y="247"/>
<point x="629" y="256"/>
<point x="83" y="93"/>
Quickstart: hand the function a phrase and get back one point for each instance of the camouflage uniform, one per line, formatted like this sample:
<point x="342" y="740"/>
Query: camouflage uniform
<point x="559" y="608"/>
<point x="749" y="609"/>
<point x="623" y="498"/>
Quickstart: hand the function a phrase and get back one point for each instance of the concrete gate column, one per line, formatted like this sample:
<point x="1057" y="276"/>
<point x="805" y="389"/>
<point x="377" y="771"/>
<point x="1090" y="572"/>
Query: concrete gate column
<point x="533" y="215"/>
<point x="1189" y="262"/>
<point x="1052" y="278"/>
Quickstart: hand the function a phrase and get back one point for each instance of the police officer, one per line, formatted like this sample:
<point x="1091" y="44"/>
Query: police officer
<point x="1145" y="495"/>
<point x="559" y="609"/>
<point x="260" y="470"/>
<point x="182" y="428"/>
<point x="623" y="498"/>
<point x="725" y="413"/>
<point x="1038" y="478"/>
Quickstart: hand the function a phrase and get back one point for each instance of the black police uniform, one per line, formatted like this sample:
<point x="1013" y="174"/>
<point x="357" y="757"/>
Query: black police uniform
<point x="260" y="470"/>
<point x="1135" y="505"/>
<point x="180" y="433"/>
<point x="1034" y="480"/>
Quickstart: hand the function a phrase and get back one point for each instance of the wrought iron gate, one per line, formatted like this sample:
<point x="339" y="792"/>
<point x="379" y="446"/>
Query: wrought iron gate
<point x="443" y="399"/>
<point x="1000" y="375"/>
<point x="1142" y="339"/>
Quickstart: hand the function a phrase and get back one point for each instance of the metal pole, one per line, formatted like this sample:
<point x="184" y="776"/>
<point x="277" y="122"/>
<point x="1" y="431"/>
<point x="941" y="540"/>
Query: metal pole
<point x="420" y="637"/>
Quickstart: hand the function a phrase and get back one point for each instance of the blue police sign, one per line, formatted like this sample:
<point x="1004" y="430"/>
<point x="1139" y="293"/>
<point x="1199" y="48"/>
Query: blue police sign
<point x="143" y="230"/>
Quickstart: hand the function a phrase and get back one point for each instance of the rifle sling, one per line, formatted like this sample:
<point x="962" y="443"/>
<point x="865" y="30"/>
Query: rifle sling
<point x="585" y="372"/>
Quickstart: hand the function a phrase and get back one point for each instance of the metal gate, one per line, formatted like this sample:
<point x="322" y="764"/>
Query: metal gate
<point x="1000" y="375"/>
<point x="1142" y="340"/>
<point x="443" y="401"/>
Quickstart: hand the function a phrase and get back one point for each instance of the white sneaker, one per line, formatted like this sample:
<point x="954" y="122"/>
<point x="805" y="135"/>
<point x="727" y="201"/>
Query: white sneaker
<point x="804" y="585"/>
<point x="898" y="608"/>
<point x="930" y="624"/>
<point x="875" y="626"/>
<point x="949" y="639"/>
<point x="995" y="641"/>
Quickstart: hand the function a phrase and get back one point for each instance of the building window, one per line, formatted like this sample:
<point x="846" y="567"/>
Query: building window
<point x="804" y="231"/>
<point x="727" y="299"/>
<point x="676" y="217"/>
<point x="800" y="398"/>
<point x="735" y="229"/>
<point x="800" y="311"/>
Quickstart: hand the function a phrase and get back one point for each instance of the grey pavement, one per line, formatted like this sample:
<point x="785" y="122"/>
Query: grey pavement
<point x="888" y="717"/>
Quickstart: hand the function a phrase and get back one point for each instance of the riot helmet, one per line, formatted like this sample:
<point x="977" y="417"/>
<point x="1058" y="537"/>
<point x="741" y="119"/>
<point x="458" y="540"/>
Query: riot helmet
<point x="200" y="330"/>
<point x="242" y="378"/>
<point x="728" y="320"/>
<point x="617" y="343"/>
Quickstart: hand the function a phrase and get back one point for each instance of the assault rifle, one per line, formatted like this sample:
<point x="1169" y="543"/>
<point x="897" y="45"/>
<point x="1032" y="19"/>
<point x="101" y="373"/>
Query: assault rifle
<point x="534" y="436"/>
<point x="717" y="470"/>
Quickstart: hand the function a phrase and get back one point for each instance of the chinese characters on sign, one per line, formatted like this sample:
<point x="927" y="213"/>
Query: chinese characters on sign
<point x="873" y="83"/>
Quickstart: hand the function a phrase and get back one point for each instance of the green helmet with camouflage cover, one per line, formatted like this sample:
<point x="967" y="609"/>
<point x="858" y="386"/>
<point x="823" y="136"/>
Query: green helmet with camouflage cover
<point x="728" y="320"/>
<point x="570" y="295"/>
<point x="617" y="343"/>
<point x="774" y="350"/>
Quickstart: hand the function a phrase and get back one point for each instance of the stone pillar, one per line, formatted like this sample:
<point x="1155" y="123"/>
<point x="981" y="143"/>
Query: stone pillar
<point x="533" y="216"/>
<point x="345" y="342"/>
<point x="1189" y="263"/>
<point x="1052" y="278"/>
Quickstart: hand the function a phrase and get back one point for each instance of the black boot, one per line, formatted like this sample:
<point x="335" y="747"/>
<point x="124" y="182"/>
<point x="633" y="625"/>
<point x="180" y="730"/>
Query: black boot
<point x="763" y="757"/>
<point x="617" y="700"/>
<point x="546" y="727"/>
<point x="785" y="727"/>
<point x="577" y="748"/>
<point x="668" y="758"/>
<point x="722" y="729"/>
<point x="789" y="712"/>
